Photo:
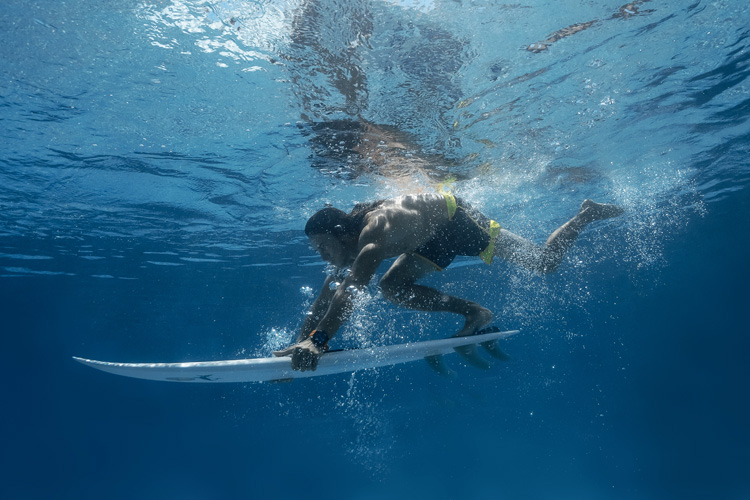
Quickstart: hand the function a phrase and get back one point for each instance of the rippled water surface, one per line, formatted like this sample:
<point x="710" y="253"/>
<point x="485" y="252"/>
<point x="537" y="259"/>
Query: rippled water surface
<point x="158" y="161"/>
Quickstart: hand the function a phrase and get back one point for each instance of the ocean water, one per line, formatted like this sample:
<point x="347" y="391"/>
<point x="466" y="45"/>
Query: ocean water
<point x="158" y="161"/>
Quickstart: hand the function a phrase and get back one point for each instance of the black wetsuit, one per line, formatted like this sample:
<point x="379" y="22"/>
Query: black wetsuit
<point x="467" y="232"/>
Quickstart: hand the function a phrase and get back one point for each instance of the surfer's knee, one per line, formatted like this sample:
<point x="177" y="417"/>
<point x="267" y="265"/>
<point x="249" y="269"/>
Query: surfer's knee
<point x="549" y="261"/>
<point x="391" y="288"/>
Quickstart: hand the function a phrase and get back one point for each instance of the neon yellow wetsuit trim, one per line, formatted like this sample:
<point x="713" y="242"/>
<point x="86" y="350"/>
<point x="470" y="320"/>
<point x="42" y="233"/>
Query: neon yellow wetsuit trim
<point x="489" y="252"/>
<point x="450" y="201"/>
<point x="442" y="248"/>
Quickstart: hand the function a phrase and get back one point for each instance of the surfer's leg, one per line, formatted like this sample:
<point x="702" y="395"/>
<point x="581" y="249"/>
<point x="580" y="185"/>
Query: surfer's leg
<point x="546" y="258"/>
<point x="562" y="238"/>
<point x="399" y="286"/>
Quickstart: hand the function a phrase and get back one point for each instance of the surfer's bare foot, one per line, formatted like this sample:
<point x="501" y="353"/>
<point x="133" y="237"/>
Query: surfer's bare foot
<point x="475" y="320"/>
<point x="592" y="211"/>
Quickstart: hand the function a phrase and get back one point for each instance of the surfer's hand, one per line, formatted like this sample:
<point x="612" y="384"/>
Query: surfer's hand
<point x="305" y="355"/>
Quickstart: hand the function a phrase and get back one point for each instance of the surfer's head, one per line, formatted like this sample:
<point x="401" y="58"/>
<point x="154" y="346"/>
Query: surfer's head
<point x="338" y="223"/>
<point x="331" y="221"/>
<point x="334" y="234"/>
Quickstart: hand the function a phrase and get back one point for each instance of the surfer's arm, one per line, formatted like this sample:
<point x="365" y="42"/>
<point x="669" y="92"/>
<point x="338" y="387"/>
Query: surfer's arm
<point x="308" y="350"/>
<point x="319" y="307"/>
<point x="306" y="353"/>
<point x="364" y="267"/>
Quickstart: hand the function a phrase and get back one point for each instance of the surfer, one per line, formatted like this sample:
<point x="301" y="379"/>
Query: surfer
<point x="424" y="233"/>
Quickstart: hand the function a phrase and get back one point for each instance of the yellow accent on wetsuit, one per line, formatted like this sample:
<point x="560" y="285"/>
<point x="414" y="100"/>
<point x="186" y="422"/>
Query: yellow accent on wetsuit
<point x="489" y="252"/>
<point x="450" y="201"/>
<point x="493" y="231"/>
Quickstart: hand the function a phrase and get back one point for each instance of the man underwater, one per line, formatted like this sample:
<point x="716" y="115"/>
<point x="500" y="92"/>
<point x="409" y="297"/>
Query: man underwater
<point x="425" y="232"/>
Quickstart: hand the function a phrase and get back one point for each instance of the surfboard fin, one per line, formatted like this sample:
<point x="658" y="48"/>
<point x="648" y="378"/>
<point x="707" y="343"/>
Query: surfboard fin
<point x="436" y="363"/>
<point x="494" y="350"/>
<point x="469" y="353"/>
<point x="492" y="347"/>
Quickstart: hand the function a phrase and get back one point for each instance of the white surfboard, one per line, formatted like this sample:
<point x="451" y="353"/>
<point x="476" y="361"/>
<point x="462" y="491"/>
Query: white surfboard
<point x="280" y="369"/>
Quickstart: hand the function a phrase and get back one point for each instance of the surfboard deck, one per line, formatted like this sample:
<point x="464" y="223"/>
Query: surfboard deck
<point x="280" y="369"/>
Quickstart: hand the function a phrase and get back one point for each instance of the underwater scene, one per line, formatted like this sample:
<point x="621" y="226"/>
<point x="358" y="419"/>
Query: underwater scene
<point x="160" y="159"/>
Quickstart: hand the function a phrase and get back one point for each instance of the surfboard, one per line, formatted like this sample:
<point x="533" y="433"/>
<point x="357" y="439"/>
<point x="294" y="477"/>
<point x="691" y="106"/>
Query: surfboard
<point x="280" y="369"/>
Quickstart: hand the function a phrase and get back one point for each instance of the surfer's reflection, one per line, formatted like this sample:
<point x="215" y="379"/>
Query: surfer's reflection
<point x="340" y="57"/>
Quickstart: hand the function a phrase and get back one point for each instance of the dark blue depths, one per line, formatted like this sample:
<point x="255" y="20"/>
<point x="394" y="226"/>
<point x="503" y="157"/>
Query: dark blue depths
<point x="652" y="407"/>
<point x="164" y="224"/>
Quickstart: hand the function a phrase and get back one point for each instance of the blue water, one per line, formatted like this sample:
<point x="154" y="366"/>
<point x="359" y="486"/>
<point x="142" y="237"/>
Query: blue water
<point x="159" y="159"/>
